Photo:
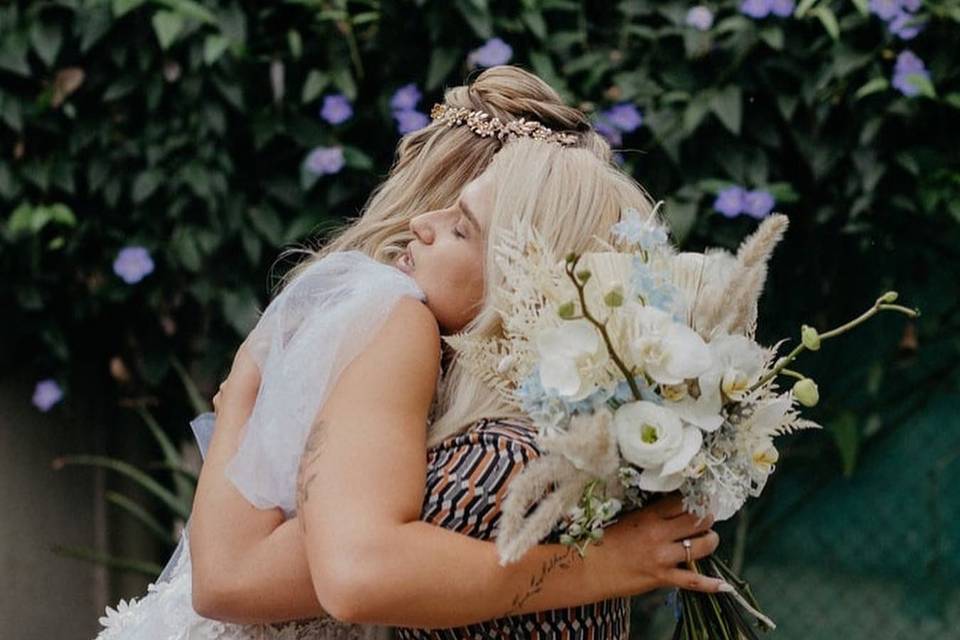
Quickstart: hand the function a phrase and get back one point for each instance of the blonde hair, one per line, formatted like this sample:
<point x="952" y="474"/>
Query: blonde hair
<point x="433" y="164"/>
<point x="571" y="198"/>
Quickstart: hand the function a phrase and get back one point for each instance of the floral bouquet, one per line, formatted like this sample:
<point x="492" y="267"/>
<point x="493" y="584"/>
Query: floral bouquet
<point x="639" y="368"/>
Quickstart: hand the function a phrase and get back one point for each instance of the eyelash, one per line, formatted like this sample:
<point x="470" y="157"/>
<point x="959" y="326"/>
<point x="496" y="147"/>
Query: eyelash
<point x="457" y="233"/>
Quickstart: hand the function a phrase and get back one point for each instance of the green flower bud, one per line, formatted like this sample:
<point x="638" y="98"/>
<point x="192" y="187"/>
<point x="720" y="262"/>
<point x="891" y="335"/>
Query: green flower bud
<point x="810" y="338"/>
<point x="806" y="392"/>
<point x="567" y="540"/>
<point x="596" y="534"/>
<point x="614" y="297"/>
<point x="571" y="257"/>
<point x="566" y="310"/>
<point x="889" y="297"/>
<point x="583" y="276"/>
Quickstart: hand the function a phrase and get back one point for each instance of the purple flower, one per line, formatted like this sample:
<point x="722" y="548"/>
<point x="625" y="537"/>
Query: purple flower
<point x="133" y="264"/>
<point x="405" y="98"/>
<point x="410" y="120"/>
<point x="755" y="8"/>
<point x="323" y="161"/>
<point x="623" y="116"/>
<point x="886" y="9"/>
<point x="905" y="26"/>
<point x="46" y="394"/>
<point x="700" y="18"/>
<point x="907" y="69"/>
<point x="910" y="5"/>
<point x="758" y="204"/>
<point x="782" y="8"/>
<point x="336" y="109"/>
<point x="731" y="201"/>
<point x="609" y="132"/>
<point x="493" y="52"/>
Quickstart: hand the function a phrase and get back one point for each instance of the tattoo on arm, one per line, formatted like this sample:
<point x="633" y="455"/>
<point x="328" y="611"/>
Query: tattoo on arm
<point x="561" y="560"/>
<point x="306" y="475"/>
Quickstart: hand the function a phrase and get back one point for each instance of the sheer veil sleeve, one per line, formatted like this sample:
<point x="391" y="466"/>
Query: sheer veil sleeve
<point x="305" y="338"/>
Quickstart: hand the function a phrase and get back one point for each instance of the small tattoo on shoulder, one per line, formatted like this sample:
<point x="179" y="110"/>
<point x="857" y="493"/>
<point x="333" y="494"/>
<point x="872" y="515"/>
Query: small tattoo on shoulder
<point x="311" y="452"/>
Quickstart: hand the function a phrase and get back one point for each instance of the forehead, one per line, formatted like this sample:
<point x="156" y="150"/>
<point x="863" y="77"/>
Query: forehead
<point x="478" y="195"/>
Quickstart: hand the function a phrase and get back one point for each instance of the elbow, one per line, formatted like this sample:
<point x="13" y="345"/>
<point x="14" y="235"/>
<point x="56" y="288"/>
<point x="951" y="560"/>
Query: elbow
<point x="350" y="590"/>
<point x="210" y="600"/>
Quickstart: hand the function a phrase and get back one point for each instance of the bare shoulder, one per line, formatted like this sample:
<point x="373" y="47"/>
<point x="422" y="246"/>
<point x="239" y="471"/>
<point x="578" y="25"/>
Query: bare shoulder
<point x="410" y="325"/>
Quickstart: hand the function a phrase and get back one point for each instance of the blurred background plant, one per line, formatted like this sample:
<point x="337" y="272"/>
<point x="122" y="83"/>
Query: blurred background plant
<point x="158" y="155"/>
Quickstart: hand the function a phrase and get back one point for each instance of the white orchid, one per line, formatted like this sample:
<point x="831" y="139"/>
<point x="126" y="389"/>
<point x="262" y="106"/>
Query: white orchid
<point x="739" y="361"/>
<point x="566" y="353"/>
<point x="668" y="351"/>
<point x="656" y="440"/>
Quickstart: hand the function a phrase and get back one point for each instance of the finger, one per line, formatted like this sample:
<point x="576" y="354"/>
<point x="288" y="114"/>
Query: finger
<point x="688" y="525"/>
<point x="693" y="581"/>
<point x="669" y="507"/>
<point x="700" y="547"/>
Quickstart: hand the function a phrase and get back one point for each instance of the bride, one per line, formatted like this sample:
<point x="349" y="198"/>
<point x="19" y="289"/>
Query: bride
<point x="356" y="540"/>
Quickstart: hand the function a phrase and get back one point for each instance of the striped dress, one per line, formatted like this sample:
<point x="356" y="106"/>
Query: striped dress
<point x="467" y="479"/>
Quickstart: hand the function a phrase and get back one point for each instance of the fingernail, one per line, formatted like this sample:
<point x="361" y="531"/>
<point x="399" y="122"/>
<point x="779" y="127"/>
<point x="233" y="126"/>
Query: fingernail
<point x="725" y="587"/>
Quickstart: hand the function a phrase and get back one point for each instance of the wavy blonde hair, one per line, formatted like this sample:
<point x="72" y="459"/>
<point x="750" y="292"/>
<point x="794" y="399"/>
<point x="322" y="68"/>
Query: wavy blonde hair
<point x="572" y="198"/>
<point x="433" y="164"/>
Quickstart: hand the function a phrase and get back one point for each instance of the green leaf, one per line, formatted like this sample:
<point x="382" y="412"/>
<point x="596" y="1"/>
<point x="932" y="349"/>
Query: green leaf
<point x="543" y="66"/>
<point x="952" y="99"/>
<point x="314" y="85"/>
<point x="829" y="21"/>
<point x="213" y="47"/>
<point x="478" y="17"/>
<point x="804" y="7"/>
<point x="184" y="247"/>
<point x="149" y="569"/>
<point x="295" y="43"/>
<point x="343" y="80"/>
<point x="870" y="87"/>
<point x="141" y="515"/>
<point x="694" y="114"/>
<point x="46" y="40"/>
<point x="121" y="7"/>
<point x="535" y="22"/>
<point x="442" y="62"/>
<point x="190" y="9"/>
<point x="846" y="435"/>
<point x="773" y="36"/>
<point x="13" y="53"/>
<point x="357" y="159"/>
<point x="681" y="217"/>
<point x="145" y="184"/>
<point x="862" y="6"/>
<point x="727" y="105"/>
<point x="922" y="84"/>
<point x="167" y="25"/>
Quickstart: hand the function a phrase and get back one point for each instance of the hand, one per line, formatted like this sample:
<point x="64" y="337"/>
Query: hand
<point x="646" y="547"/>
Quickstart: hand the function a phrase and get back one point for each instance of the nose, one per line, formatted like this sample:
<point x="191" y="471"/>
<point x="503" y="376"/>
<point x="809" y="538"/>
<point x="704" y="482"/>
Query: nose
<point x="422" y="227"/>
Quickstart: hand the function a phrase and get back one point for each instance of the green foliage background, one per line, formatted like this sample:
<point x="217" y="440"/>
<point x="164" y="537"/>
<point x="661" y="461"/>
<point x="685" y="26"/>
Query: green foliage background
<point x="182" y="126"/>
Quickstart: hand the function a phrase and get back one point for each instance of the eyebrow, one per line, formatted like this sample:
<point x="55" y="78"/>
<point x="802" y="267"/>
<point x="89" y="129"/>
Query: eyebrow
<point x="467" y="212"/>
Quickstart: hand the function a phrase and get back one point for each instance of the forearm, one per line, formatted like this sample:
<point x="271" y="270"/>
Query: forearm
<point x="269" y="582"/>
<point x="421" y="575"/>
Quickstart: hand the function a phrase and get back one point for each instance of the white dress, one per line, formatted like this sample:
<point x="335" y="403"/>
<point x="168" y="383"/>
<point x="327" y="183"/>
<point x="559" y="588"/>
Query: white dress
<point x="308" y="334"/>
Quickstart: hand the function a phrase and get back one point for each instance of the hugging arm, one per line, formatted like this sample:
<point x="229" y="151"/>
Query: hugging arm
<point x="371" y="560"/>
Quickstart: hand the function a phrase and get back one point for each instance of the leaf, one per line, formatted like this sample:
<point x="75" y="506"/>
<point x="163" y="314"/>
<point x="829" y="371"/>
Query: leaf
<point x="543" y="66"/>
<point x="357" y="159"/>
<point x="314" y="85"/>
<point x="804" y="7"/>
<point x="773" y="36"/>
<point x="863" y="7"/>
<point x="535" y="22"/>
<point x="343" y="80"/>
<point x="145" y="184"/>
<point x="477" y="16"/>
<point x="681" y="217"/>
<point x="870" y="87"/>
<point x="846" y="435"/>
<point x="122" y="7"/>
<point x="46" y="40"/>
<point x="141" y="515"/>
<point x="295" y="43"/>
<point x="190" y="9"/>
<point x="922" y="84"/>
<point x="829" y="21"/>
<point x="213" y="47"/>
<point x="167" y="25"/>
<point x="442" y="62"/>
<point x="13" y="53"/>
<point x="727" y="105"/>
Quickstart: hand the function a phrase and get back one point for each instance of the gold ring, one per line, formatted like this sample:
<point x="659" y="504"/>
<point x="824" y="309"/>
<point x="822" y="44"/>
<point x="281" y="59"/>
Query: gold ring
<point x="686" y="547"/>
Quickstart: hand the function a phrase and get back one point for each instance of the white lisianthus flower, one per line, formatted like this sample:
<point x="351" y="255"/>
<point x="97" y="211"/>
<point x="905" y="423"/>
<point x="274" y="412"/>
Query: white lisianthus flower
<point x="668" y="351"/>
<point x="656" y="440"/>
<point x="565" y="353"/>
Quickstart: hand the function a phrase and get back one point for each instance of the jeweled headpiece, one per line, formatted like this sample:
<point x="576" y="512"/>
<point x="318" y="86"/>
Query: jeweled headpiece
<point x="486" y="126"/>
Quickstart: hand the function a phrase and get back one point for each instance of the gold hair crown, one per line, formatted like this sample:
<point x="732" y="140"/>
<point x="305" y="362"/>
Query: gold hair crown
<point x="485" y="126"/>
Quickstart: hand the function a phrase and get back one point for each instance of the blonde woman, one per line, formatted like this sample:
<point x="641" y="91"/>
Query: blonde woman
<point x="373" y="561"/>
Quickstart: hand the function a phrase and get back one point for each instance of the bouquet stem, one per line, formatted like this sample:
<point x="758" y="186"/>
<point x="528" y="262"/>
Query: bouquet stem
<point x="719" y="616"/>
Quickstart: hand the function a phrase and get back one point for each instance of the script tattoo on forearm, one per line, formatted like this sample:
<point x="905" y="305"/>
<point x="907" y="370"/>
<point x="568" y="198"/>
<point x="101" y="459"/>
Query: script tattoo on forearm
<point x="561" y="560"/>
<point x="306" y="475"/>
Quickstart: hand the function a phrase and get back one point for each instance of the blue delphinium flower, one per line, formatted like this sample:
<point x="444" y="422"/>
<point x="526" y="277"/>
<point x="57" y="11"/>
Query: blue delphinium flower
<point x="782" y="8"/>
<point x="905" y="26"/>
<point x="633" y="229"/>
<point x="755" y="8"/>
<point x="730" y="201"/>
<point x="885" y="9"/>
<point x="899" y="16"/>
<point x="133" y="264"/>
<point x="623" y="116"/>
<point x="336" y="109"/>
<point x="656" y="291"/>
<point x="700" y="18"/>
<point x="544" y="408"/>
<point x="323" y="161"/>
<point x="493" y="52"/>
<point x="46" y="394"/>
<point x="410" y="120"/>
<point x="758" y="204"/>
<point x="908" y="68"/>
<point x="405" y="98"/>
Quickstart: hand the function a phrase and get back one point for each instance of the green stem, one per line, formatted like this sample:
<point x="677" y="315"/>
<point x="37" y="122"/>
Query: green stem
<point x="570" y="268"/>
